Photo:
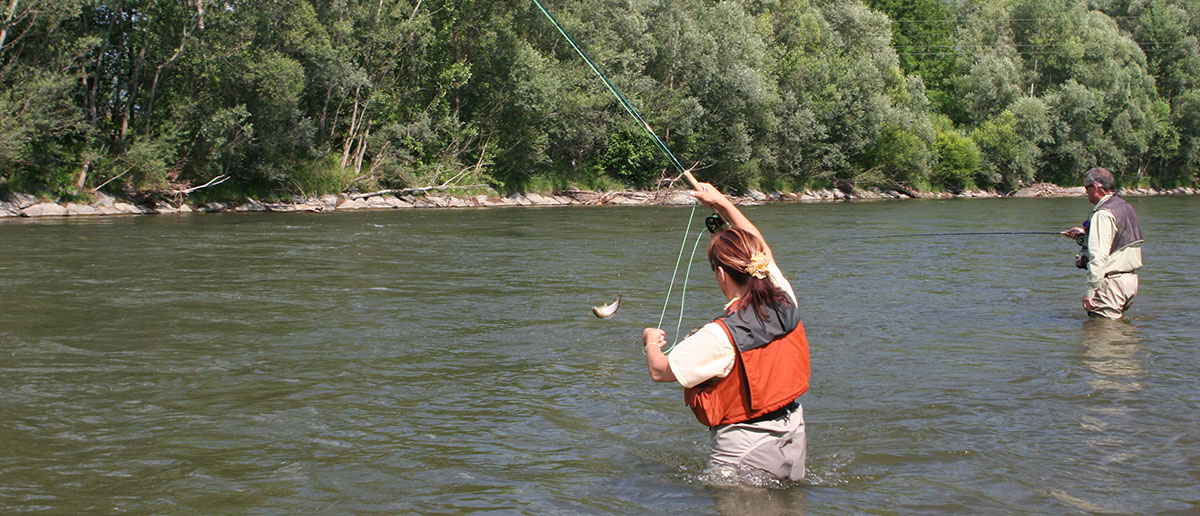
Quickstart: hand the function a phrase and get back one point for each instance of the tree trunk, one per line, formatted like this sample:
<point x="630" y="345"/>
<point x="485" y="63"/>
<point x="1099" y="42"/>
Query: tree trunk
<point x="348" y="143"/>
<point x="187" y="33"/>
<point x="324" y="112"/>
<point x="127" y="111"/>
<point x="362" y="149"/>
<point x="93" y="103"/>
<point x="83" y="173"/>
<point x="1033" y="80"/>
<point x="12" y="11"/>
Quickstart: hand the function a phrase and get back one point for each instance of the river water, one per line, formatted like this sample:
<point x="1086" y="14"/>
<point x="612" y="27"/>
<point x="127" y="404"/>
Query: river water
<point x="446" y="362"/>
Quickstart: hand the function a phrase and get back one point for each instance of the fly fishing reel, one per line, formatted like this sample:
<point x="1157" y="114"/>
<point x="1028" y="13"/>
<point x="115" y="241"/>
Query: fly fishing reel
<point x="1081" y="258"/>
<point x="715" y="223"/>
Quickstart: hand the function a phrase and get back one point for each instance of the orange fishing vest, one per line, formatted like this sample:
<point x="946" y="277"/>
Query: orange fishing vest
<point x="764" y="378"/>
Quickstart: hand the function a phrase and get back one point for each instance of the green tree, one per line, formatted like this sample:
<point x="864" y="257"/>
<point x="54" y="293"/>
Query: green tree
<point x="959" y="162"/>
<point x="41" y="128"/>
<point x="923" y="34"/>
<point x="1009" y="144"/>
<point x="848" y="113"/>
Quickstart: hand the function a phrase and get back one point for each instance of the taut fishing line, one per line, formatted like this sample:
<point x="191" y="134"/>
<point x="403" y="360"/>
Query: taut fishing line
<point x="908" y="235"/>
<point x="661" y="146"/>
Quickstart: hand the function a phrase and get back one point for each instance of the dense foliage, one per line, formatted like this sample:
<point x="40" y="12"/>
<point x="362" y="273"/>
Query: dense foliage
<point x="303" y="97"/>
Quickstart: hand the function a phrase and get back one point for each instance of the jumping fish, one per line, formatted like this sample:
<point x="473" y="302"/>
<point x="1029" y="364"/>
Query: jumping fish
<point x="607" y="311"/>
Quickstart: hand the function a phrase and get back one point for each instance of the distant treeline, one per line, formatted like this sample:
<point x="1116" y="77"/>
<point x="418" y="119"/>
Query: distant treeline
<point x="273" y="98"/>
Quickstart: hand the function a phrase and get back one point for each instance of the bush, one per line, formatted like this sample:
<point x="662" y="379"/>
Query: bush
<point x="320" y="177"/>
<point x="632" y="158"/>
<point x="959" y="160"/>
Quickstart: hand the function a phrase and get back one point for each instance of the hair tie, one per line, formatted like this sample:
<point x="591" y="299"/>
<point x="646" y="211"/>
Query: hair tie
<point x="758" y="265"/>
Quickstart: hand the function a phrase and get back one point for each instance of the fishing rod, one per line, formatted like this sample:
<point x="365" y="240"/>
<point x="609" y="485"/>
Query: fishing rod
<point x="610" y="309"/>
<point x="970" y="233"/>
<point x="616" y="92"/>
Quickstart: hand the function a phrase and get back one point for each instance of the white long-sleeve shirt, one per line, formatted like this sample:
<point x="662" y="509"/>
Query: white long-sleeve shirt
<point x="1102" y="229"/>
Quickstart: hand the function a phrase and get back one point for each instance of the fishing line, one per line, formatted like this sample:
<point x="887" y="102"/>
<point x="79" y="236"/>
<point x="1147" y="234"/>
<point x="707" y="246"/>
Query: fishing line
<point x="661" y="146"/>
<point x="908" y="235"/>
<point x="683" y="292"/>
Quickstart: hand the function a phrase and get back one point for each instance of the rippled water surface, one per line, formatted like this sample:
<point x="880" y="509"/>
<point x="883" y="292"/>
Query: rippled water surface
<point x="446" y="362"/>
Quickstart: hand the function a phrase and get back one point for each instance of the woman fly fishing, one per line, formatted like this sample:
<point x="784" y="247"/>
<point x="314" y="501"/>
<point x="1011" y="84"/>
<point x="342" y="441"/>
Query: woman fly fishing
<point x="743" y="372"/>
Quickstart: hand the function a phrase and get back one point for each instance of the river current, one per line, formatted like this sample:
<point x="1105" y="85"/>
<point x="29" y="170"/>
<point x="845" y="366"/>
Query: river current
<point x="446" y="362"/>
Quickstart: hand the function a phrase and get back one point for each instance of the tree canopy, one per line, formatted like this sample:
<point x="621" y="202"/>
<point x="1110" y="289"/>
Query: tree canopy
<point x="298" y="98"/>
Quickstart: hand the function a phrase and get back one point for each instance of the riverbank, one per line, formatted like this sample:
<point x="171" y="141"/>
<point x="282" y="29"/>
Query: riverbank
<point x="25" y="205"/>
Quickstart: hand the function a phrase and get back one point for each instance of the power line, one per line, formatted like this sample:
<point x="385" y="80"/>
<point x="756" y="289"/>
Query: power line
<point x="1025" y="50"/>
<point x="1005" y="20"/>
<point x="1037" y="45"/>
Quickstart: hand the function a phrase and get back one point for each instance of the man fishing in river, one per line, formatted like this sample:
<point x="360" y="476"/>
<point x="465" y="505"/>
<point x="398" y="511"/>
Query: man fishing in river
<point x="1114" y="248"/>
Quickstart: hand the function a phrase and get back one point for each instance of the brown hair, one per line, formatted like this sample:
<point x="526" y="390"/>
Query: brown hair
<point x="732" y="250"/>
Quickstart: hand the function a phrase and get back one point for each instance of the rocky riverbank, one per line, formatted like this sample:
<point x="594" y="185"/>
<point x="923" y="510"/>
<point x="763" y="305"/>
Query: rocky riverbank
<point x="24" y="205"/>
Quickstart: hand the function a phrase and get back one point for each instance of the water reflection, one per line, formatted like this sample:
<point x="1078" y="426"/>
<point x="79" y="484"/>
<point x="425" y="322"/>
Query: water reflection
<point x="737" y="501"/>
<point x="1111" y="349"/>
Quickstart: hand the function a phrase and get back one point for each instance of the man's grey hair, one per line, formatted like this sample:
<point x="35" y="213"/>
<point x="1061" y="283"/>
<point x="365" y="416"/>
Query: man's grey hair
<point x="1100" y="177"/>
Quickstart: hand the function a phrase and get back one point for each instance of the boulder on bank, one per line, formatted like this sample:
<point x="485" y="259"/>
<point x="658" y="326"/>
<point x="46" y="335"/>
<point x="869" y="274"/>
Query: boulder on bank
<point x="1049" y="190"/>
<point x="630" y="198"/>
<point x="675" y="198"/>
<point x="581" y="196"/>
<point x="20" y="201"/>
<point x="44" y="209"/>
<point x="74" y="209"/>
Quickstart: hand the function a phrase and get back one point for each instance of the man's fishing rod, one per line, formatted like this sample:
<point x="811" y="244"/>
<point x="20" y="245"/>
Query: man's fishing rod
<point x="910" y="235"/>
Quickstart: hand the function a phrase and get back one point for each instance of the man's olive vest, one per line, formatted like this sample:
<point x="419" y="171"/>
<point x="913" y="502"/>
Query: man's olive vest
<point x="1129" y="232"/>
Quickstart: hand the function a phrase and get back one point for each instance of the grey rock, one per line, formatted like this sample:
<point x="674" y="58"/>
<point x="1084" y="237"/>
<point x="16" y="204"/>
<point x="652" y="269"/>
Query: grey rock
<point x="328" y="200"/>
<point x="252" y="206"/>
<point x="678" y="198"/>
<point x="109" y="210"/>
<point x="44" y="209"/>
<point x="377" y="202"/>
<point x="536" y="199"/>
<point x="396" y="202"/>
<point x="629" y="198"/>
<point x="21" y="200"/>
<point x="128" y="209"/>
<point x="517" y="199"/>
<point x="103" y="199"/>
<point x="81" y="209"/>
<point x="351" y="204"/>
